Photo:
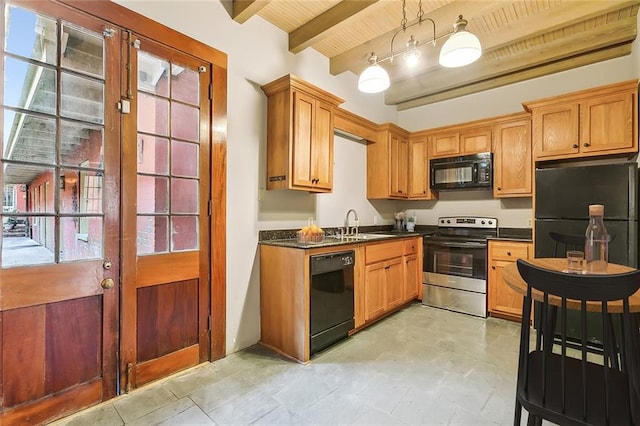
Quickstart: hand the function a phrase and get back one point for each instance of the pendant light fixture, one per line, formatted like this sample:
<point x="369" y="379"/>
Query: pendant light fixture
<point x="462" y="48"/>
<point x="374" y="78"/>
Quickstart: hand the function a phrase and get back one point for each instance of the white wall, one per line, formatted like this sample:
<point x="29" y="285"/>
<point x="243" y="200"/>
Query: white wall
<point x="257" y="54"/>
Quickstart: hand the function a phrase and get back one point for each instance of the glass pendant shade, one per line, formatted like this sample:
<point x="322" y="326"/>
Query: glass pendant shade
<point x="374" y="79"/>
<point x="462" y="48"/>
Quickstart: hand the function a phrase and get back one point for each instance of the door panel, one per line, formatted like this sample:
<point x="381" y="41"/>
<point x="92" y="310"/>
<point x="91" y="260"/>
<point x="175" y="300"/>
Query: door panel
<point x="59" y="152"/>
<point x="165" y="204"/>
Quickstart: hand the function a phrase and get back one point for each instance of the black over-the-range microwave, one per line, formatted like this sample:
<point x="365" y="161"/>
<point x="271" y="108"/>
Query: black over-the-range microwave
<point x="463" y="172"/>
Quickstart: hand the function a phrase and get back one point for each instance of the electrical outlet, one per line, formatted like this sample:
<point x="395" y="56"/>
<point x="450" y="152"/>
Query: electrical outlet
<point x="529" y="223"/>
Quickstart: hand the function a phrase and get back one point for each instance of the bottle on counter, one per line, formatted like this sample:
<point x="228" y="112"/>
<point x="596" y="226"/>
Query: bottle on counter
<point x="596" y="245"/>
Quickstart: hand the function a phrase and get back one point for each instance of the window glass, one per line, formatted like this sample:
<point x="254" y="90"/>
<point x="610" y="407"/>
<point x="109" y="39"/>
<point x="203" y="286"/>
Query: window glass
<point x="29" y="138"/>
<point x="184" y="233"/>
<point x="153" y="154"/>
<point x="82" y="50"/>
<point x="153" y="194"/>
<point x="152" y="234"/>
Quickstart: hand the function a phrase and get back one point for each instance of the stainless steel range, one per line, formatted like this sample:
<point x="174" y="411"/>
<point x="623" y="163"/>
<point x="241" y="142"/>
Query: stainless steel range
<point x="454" y="275"/>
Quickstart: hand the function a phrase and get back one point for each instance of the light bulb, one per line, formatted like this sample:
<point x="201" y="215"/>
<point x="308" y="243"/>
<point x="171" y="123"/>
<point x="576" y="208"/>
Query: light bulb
<point x="412" y="55"/>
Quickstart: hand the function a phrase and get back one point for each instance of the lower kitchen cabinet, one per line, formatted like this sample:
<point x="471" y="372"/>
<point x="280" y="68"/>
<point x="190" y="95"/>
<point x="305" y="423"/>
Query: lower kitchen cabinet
<point x="383" y="287"/>
<point x="386" y="275"/>
<point x="412" y="269"/>
<point x="391" y="276"/>
<point x="503" y="301"/>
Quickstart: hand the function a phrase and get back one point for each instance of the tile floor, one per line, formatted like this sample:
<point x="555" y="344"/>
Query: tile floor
<point x="420" y="366"/>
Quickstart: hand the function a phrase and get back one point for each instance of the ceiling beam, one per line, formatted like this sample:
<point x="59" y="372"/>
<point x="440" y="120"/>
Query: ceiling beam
<point x="326" y="24"/>
<point x="515" y="77"/>
<point x="355" y="59"/>
<point x="245" y="9"/>
<point x="583" y="23"/>
<point x="616" y="33"/>
<point x="546" y="20"/>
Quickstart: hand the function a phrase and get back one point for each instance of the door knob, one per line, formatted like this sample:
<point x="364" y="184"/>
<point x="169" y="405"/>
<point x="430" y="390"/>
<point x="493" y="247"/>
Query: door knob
<point x="107" y="283"/>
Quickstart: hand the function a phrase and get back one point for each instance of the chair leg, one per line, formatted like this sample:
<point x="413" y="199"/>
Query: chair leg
<point x="517" y="416"/>
<point x="534" y="420"/>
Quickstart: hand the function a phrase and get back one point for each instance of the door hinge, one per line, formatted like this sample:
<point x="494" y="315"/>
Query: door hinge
<point x="210" y="207"/>
<point x="124" y="106"/>
<point x="210" y="92"/>
<point x="210" y="320"/>
<point x="108" y="32"/>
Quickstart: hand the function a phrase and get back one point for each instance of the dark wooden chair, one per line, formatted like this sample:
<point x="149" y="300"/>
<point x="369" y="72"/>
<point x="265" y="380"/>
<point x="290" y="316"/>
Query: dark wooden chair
<point x="568" y="389"/>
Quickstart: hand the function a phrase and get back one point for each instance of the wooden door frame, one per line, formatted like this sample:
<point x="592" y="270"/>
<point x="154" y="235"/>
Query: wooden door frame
<point x="125" y="18"/>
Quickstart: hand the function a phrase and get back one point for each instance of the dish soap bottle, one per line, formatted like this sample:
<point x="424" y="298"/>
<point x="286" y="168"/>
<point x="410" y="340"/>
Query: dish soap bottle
<point x="596" y="245"/>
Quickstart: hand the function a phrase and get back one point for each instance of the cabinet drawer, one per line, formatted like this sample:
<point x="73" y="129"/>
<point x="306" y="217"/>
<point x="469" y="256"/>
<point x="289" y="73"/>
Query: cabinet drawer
<point x="508" y="251"/>
<point x="377" y="252"/>
<point x="411" y="246"/>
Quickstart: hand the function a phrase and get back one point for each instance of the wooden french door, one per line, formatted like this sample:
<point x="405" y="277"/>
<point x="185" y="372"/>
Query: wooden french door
<point x="60" y="168"/>
<point x="165" y="258"/>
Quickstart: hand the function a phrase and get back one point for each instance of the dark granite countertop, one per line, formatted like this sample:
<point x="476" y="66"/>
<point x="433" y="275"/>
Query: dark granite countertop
<point x="514" y="234"/>
<point x="287" y="237"/>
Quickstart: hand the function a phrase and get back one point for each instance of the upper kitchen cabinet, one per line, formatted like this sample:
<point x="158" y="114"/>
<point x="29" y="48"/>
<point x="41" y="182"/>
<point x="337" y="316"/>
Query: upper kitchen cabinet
<point x="594" y="122"/>
<point x="397" y="165"/>
<point x="299" y="135"/>
<point x="460" y="140"/>
<point x="388" y="163"/>
<point x="419" y="167"/>
<point x="512" y="158"/>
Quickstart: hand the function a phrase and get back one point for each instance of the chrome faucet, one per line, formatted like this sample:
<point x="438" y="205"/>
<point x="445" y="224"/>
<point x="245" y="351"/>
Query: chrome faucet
<point x="353" y="230"/>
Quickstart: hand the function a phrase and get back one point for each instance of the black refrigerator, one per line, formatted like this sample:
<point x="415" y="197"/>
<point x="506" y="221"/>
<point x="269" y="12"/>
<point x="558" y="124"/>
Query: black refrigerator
<point x="563" y="196"/>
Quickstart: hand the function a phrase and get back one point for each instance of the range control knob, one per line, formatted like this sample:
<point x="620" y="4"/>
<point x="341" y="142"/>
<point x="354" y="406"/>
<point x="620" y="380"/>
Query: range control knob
<point x="482" y="222"/>
<point x="490" y="222"/>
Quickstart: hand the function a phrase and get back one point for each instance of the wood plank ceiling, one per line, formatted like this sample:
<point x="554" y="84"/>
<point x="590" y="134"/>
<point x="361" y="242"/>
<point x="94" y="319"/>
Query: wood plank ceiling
<point x="521" y="39"/>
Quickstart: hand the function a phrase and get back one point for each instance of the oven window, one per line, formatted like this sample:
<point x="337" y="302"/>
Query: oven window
<point x="453" y="175"/>
<point x="460" y="261"/>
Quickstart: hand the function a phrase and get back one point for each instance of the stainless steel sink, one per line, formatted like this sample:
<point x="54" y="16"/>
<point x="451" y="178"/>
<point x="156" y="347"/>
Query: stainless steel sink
<point x="372" y="236"/>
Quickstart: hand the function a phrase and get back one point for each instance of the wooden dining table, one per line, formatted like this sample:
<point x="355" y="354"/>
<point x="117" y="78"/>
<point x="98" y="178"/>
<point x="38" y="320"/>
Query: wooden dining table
<point x="516" y="282"/>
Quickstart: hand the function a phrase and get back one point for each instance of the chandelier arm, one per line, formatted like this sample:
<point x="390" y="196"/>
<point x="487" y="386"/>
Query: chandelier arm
<point x="417" y="21"/>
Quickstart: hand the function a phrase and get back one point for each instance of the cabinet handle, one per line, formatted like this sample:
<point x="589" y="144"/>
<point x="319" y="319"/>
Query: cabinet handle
<point x="387" y="267"/>
<point x="493" y="267"/>
<point x="399" y="191"/>
<point x="575" y="145"/>
<point x="424" y="192"/>
<point x="586" y="144"/>
<point x="508" y="253"/>
<point x="499" y="188"/>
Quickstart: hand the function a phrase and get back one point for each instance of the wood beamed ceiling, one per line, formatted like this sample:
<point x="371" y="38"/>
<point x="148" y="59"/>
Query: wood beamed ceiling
<point x="521" y="39"/>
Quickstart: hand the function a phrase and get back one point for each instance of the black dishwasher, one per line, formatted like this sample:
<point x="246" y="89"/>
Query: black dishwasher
<point x="331" y="298"/>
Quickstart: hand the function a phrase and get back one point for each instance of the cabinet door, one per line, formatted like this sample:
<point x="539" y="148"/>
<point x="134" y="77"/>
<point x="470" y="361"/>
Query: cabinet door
<point x="303" y="134"/>
<point x="607" y="123"/>
<point x="513" y="166"/>
<point x="411" y="277"/>
<point x="394" y="270"/>
<point x="555" y="131"/>
<point x="374" y="291"/>
<point x="399" y="165"/>
<point x="473" y="141"/>
<point x="419" y="169"/>
<point x="445" y="144"/>
<point x="502" y="299"/>
<point x="322" y="147"/>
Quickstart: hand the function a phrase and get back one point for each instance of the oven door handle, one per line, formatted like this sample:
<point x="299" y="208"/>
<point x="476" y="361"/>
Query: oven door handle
<point x="467" y="244"/>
